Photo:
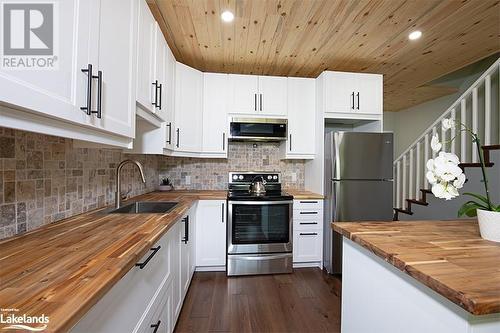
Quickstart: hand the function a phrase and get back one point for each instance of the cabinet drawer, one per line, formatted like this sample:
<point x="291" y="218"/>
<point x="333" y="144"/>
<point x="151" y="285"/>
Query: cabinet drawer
<point x="158" y="313"/>
<point x="307" y="204"/>
<point x="310" y="224"/>
<point x="308" y="214"/>
<point x="307" y="245"/>
<point x="122" y="307"/>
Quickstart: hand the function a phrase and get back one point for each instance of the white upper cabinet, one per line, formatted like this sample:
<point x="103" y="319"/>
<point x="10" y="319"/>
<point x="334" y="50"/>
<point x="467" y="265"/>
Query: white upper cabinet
<point x="159" y="86"/>
<point x="273" y="95"/>
<point x="244" y="94"/>
<point x="258" y="95"/>
<point x="301" y="119"/>
<point x="92" y="85"/>
<point x="352" y="95"/>
<point x="117" y="60"/>
<point x="215" y="95"/>
<point x="188" y="109"/>
<point x="170" y="98"/>
<point x="145" y="57"/>
<point x="57" y="92"/>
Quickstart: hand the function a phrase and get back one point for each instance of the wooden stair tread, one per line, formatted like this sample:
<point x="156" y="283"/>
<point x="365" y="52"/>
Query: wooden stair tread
<point x="491" y="147"/>
<point x="418" y="202"/>
<point x="405" y="211"/>
<point x="475" y="165"/>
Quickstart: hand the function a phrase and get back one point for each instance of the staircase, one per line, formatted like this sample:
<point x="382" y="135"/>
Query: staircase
<point x="478" y="108"/>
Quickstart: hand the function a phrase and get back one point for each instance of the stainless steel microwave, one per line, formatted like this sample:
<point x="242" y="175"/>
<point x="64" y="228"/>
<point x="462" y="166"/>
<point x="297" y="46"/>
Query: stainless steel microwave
<point x="257" y="129"/>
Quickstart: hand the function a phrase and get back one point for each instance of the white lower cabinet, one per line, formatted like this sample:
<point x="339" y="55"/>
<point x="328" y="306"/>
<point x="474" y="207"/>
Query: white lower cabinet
<point x="307" y="232"/>
<point x="150" y="295"/>
<point x="211" y="235"/>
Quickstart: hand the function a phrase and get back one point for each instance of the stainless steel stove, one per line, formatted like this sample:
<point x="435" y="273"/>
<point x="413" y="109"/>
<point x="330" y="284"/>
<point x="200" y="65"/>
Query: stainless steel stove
<point x="259" y="235"/>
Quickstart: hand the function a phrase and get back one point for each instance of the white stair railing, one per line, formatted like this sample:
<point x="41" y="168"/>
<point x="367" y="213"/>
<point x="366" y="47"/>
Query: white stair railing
<point x="478" y="108"/>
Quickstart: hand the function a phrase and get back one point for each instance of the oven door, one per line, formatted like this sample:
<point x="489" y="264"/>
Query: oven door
<point x="259" y="227"/>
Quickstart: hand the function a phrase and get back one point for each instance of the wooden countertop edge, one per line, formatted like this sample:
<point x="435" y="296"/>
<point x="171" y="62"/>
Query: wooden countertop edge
<point x="185" y="199"/>
<point x="452" y="295"/>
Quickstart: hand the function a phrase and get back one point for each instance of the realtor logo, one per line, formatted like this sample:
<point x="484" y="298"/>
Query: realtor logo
<point x="29" y="35"/>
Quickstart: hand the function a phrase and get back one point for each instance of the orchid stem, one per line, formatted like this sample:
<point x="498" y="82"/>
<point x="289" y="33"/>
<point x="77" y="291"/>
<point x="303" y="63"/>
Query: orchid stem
<point x="483" y="169"/>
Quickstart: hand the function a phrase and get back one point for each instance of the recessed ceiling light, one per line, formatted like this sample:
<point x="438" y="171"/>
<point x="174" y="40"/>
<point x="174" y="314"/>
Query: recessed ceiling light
<point x="415" y="35"/>
<point x="227" y="16"/>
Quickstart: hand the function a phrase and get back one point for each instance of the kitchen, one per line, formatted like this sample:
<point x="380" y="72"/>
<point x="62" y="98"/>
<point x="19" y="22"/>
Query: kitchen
<point x="146" y="189"/>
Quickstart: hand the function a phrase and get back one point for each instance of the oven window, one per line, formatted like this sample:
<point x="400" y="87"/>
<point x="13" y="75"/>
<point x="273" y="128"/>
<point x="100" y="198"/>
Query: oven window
<point x="260" y="224"/>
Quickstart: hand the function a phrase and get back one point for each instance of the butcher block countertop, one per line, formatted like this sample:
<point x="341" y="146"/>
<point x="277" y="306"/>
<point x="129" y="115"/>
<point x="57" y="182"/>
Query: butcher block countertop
<point x="450" y="257"/>
<point x="63" y="269"/>
<point x="304" y="195"/>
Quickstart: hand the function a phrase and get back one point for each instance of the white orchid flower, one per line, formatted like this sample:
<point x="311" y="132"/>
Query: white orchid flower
<point x="431" y="178"/>
<point x="460" y="181"/>
<point x="435" y="144"/>
<point x="430" y="165"/>
<point x="447" y="124"/>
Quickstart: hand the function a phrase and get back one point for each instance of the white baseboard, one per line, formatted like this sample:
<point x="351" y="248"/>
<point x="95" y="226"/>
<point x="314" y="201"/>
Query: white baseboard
<point x="307" y="264"/>
<point x="210" y="268"/>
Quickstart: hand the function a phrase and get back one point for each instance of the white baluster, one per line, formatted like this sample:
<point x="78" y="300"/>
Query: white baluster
<point x="412" y="177"/>
<point x="487" y="110"/>
<point x="453" y="131"/>
<point x="434" y="132"/>
<point x="398" y="184"/>
<point x="426" y="158"/>
<point x="474" y="122"/>
<point x="419" y="170"/>
<point x="443" y="138"/>
<point x="404" y="182"/>
<point x="463" y="134"/>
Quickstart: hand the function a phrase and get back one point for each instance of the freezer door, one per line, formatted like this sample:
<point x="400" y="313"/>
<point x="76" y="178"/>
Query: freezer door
<point x="358" y="155"/>
<point x="355" y="201"/>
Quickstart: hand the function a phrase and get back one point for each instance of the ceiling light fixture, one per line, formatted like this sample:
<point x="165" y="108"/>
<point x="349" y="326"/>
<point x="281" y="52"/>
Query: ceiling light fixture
<point x="227" y="16"/>
<point x="415" y="35"/>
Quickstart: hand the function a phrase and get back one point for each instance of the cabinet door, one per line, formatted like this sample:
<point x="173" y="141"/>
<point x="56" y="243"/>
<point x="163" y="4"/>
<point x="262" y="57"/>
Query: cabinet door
<point x="340" y="92"/>
<point x="160" y="74"/>
<point x="192" y="243"/>
<point x="169" y="102"/>
<point x="272" y="95"/>
<point x="178" y="230"/>
<point x="185" y="257"/>
<point x="369" y="94"/>
<point x="188" y="106"/>
<point x="211" y="233"/>
<point x="145" y="57"/>
<point x="214" y="113"/>
<point x="117" y="61"/>
<point x="307" y="245"/>
<point x="301" y="117"/>
<point x="244" y="94"/>
<point x="58" y="92"/>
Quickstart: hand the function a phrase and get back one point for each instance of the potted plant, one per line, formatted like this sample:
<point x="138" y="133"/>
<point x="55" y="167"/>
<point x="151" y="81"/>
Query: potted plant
<point x="166" y="185"/>
<point x="446" y="178"/>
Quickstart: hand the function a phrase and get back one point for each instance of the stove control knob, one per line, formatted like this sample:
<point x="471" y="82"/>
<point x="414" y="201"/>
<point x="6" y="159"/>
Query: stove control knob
<point x="269" y="177"/>
<point x="275" y="177"/>
<point x="240" y="177"/>
<point x="235" y="177"/>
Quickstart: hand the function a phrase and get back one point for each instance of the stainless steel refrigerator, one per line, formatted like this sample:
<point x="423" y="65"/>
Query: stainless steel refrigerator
<point x="358" y="185"/>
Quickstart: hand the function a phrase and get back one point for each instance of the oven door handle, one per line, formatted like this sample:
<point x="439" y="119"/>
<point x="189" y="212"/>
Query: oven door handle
<point x="260" y="203"/>
<point x="265" y="257"/>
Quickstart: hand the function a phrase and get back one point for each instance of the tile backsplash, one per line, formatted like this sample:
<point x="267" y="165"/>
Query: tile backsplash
<point x="44" y="179"/>
<point x="212" y="174"/>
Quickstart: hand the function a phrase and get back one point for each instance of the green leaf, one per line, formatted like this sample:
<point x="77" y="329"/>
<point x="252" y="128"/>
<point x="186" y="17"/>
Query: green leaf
<point x="496" y="209"/>
<point x="469" y="208"/>
<point x="478" y="196"/>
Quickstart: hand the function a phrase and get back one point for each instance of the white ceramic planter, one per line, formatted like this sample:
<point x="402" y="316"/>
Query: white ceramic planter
<point x="489" y="224"/>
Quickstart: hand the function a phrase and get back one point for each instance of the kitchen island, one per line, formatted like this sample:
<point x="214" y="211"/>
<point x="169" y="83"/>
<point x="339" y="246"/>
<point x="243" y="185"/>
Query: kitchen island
<point x="421" y="276"/>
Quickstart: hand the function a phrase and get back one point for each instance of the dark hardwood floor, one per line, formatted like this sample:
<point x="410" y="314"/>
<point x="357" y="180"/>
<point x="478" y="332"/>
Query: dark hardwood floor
<point x="306" y="301"/>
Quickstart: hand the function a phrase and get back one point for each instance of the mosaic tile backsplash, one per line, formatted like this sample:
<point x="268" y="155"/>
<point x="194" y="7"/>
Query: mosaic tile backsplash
<point x="44" y="179"/>
<point x="212" y="174"/>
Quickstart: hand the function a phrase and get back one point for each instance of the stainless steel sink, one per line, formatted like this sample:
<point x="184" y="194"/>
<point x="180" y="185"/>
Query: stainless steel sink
<point x="139" y="207"/>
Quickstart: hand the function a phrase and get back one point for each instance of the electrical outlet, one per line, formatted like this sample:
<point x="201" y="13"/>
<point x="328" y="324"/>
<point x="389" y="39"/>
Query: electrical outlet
<point x="294" y="177"/>
<point x="188" y="180"/>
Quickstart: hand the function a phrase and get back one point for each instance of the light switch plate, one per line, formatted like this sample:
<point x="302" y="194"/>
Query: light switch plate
<point x="188" y="180"/>
<point x="294" y="177"/>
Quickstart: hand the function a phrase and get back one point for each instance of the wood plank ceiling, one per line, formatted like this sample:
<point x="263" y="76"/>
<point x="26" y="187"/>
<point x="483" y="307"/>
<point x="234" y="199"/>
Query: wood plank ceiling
<point x="306" y="37"/>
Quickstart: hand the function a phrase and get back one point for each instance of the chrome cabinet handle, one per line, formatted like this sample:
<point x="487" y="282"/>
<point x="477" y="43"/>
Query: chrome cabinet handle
<point x="155" y="250"/>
